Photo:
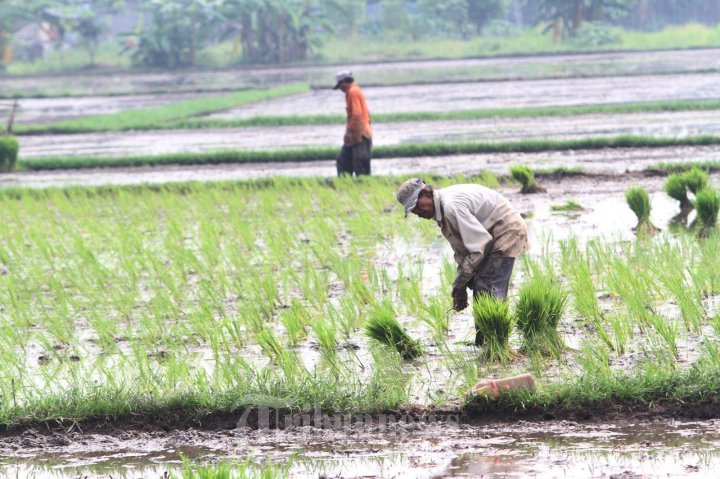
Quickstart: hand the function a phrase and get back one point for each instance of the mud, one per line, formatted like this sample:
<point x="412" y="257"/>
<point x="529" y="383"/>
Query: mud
<point x="632" y="448"/>
<point x="612" y="160"/>
<point x="666" y="125"/>
<point x="504" y="68"/>
<point x="500" y="94"/>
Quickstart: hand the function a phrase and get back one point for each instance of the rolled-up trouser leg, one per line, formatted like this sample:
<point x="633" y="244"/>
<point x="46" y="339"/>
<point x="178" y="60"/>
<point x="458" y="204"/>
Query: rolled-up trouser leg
<point x="493" y="278"/>
<point x="361" y="154"/>
<point x="344" y="161"/>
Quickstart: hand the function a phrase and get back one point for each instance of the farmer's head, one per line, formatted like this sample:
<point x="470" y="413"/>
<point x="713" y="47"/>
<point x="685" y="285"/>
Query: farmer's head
<point x="343" y="80"/>
<point x="416" y="197"/>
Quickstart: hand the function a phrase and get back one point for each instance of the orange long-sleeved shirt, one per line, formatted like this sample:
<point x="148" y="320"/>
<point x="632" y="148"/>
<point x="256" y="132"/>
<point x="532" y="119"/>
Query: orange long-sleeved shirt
<point x="358" y="116"/>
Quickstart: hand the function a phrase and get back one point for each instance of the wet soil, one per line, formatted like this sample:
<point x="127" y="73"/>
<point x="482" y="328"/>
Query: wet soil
<point x="666" y="125"/>
<point x="504" y="68"/>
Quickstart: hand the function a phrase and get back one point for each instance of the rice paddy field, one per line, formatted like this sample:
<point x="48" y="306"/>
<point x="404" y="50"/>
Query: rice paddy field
<point x="235" y="310"/>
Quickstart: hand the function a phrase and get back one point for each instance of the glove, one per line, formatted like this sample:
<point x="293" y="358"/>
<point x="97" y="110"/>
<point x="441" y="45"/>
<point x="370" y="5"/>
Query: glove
<point x="460" y="298"/>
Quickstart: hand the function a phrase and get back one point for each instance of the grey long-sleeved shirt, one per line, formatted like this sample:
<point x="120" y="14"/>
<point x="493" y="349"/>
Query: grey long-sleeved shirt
<point x="478" y="221"/>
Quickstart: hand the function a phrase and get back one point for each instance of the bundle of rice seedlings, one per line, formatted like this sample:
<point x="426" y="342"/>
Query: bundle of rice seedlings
<point x="695" y="179"/>
<point x="540" y="306"/>
<point x="526" y="178"/>
<point x="639" y="202"/>
<point x="707" y="204"/>
<point x="383" y="327"/>
<point x="676" y="188"/>
<point x="494" y="323"/>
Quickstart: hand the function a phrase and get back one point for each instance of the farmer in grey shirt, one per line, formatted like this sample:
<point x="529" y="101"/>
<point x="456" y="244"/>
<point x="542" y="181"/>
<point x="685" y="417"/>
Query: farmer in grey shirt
<point x="485" y="232"/>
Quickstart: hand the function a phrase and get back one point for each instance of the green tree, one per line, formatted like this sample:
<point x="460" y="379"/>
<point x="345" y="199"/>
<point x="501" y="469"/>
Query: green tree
<point x="566" y="17"/>
<point x="89" y="19"/>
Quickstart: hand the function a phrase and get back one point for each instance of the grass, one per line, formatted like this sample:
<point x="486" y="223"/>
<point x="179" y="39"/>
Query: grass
<point x="538" y="311"/>
<point x="525" y="176"/>
<point x="160" y="116"/>
<point x="179" y="302"/>
<point x="495" y="324"/>
<point x="569" y="205"/>
<point x="707" y="205"/>
<point x="639" y="202"/>
<point x="383" y="327"/>
<point x="380" y="152"/>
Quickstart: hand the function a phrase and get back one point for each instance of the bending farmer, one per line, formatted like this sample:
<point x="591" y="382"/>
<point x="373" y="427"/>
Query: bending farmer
<point x="485" y="232"/>
<point x="355" y="154"/>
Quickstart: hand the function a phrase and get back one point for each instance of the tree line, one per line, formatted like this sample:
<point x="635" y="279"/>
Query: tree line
<point x="169" y="33"/>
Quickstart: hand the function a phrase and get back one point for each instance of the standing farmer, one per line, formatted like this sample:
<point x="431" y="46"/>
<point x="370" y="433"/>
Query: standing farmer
<point x="355" y="154"/>
<point x="486" y="234"/>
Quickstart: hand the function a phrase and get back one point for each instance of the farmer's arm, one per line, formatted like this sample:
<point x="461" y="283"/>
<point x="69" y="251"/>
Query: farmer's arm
<point x="475" y="238"/>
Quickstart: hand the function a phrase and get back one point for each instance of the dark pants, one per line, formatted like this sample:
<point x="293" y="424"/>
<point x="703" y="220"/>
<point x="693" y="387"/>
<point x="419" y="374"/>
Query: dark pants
<point x="493" y="278"/>
<point x="355" y="159"/>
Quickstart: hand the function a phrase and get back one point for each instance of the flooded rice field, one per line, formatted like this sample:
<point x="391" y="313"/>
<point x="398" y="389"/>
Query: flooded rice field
<point x="613" y="63"/>
<point x="501" y="94"/>
<point x="616" y="160"/>
<point x="46" y="110"/>
<point x="128" y="143"/>
<point x="412" y="98"/>
<point x="552" y="449"/>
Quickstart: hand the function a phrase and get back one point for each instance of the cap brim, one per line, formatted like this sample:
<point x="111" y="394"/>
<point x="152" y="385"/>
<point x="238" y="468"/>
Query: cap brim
<point x="337" y="85"/>
<point x="411" y="201"/>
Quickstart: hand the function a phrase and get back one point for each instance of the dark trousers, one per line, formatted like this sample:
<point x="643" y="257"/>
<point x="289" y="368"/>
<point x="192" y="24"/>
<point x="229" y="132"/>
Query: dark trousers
<point x="493" y="278"/>
<point x="355" y="159"/>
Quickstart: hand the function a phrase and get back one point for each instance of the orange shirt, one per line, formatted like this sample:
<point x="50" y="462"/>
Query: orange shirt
<point x="358" y="116"/>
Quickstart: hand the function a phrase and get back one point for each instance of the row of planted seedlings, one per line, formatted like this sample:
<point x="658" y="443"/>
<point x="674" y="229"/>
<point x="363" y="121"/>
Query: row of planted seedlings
<point x="114" y="299"/>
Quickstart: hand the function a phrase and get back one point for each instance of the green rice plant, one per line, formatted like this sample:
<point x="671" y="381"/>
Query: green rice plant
<point x="434" y="312"/>
<point x="695" y="179"/>
<point x="325" y="332"/>
<point x="676" y="187"/>
<point x="667" y="330"/>
<point x="569" y="205"/>
<point x="494" y="322"/>
<point x="538" y="311"/>
<point x="9" y="148"/>
<point x="382" y="326"/>
<point x="707" y="205"/>
<point x="295" y="319"/>
<point x="639" y="202"/>
<point x="526" y="178"/>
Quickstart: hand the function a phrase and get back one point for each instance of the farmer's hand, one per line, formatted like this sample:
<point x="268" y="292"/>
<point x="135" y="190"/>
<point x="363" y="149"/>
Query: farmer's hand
<point x="460" y="298"/>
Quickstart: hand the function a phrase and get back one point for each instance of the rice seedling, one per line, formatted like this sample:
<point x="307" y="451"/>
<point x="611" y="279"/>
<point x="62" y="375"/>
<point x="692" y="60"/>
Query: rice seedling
<point x="382" y="326"/>
<point x="676" y="187"/>
<point x="434" y="312"/>
<point x="494" y="322"/>
<point x="707" y="205"/>
<point x="538" y="311"/>
<point x="525" y="176"/>
<point x="569" y="205"/>
<point x="639" y="202"/>
<point x="695" y="179"/>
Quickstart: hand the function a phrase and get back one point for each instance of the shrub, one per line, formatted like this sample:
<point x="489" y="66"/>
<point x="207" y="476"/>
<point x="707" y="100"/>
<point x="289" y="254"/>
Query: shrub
<point x="707" y="204"/>
<point x="383" y="327"/>
<point x="541" y="304"/>
<point x="526" y="178"/>
<point x="8" y="153"/>
<point x="639" y="202"/>
<point x="676" y="188"/>
<point x="494" y="323"/>
<point x="695" y="179"/>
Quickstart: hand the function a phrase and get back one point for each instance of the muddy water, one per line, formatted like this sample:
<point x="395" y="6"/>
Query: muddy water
<point x="386" y="72"/>
<point x="594" y="161"/>
<point x="552" y="449"/>
<point x="45" y="110"/>
<point x="501" y="94"/>
<point x="666" y="125"/>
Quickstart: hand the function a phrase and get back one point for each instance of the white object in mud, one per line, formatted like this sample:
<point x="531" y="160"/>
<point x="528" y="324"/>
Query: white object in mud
<point x="494" y="388"/>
